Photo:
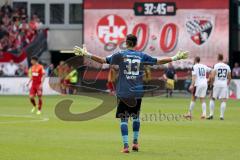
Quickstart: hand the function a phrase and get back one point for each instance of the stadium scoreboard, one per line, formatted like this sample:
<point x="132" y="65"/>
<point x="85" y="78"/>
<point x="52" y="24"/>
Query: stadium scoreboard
<point x="154" y="8"/>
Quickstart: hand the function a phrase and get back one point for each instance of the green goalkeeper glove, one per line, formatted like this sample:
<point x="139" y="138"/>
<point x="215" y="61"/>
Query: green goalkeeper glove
<point x="180" y="55"/>
<point x="78" y="51"/>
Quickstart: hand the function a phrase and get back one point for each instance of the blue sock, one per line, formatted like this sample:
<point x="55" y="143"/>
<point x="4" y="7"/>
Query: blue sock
<point x="136" y="126"/>
<point x="124" y="131"/>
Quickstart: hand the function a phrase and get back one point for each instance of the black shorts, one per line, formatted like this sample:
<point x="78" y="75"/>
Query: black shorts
<point x="128" y="108"/>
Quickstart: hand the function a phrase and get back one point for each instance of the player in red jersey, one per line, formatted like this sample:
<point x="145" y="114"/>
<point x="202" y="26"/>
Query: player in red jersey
<point x="37" y="76"/>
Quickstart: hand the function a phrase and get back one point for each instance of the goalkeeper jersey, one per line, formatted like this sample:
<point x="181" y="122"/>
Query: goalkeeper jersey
<point x="131" y="70"/>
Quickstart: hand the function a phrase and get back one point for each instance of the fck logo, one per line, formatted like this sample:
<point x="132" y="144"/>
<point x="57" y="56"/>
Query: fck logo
<point x="111" y="28"/>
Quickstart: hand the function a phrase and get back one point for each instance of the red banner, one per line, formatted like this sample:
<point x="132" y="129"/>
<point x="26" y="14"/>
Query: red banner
<point x="7" y="56"/>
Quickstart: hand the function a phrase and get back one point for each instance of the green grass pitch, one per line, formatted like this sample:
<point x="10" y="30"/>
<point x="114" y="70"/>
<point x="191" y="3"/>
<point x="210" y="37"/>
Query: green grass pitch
<point x="28" y="137"/>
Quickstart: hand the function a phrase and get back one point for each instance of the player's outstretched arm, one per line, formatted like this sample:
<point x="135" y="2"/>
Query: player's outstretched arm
<point x="78" y="51"/>
<point x="180" y="55"/>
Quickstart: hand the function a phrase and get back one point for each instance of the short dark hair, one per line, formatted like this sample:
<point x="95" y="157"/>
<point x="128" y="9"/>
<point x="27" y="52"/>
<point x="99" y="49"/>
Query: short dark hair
<point x="131" y="40"/>
<point x="34" y="58"/>
<point x="197" y="59"/>
<point x="220" y="57"/>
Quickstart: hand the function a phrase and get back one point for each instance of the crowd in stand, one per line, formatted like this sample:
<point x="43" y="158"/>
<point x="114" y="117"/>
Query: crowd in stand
<point x="20" y="70"/>
<point x="12" y="69"/>
<point x="16" y="32"/>
<point x="15" y="29"/>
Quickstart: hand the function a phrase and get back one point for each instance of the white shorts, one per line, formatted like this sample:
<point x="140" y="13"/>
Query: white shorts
<point x="220" y="92"/>
<point x="200" y="91"/>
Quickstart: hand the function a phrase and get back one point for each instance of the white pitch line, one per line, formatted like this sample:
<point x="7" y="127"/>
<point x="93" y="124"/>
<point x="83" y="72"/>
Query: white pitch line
<point x="33" y="119"/>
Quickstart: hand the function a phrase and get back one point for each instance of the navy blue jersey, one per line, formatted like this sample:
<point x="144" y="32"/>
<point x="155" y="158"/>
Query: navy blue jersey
<point x="131" y="70"/>
<point x="170" y="72"/>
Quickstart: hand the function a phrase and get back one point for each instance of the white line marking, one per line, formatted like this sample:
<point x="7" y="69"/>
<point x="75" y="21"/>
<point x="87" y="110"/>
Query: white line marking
<point x="32" y="119"/>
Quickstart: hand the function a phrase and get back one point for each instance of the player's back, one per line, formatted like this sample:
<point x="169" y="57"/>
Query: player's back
<point x="131" y="68"/>
<point x="200" y="72"/>
<point x="221" y="77"/>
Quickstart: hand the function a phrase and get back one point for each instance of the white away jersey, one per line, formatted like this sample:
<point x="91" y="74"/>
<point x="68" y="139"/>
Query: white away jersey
<point x="200" y="71"/>
<point x="222" y="70"/>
